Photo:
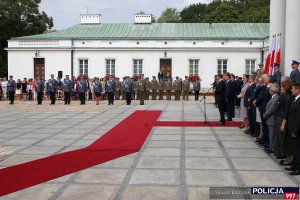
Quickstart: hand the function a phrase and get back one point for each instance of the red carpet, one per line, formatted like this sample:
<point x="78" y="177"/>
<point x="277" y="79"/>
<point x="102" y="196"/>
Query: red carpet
<point x="197" y="124"/>
<point x="125" y="138"/>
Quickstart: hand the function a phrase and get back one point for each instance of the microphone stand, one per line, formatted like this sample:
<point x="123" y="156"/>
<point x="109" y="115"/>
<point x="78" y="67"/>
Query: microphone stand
<point x="204" y="103"/>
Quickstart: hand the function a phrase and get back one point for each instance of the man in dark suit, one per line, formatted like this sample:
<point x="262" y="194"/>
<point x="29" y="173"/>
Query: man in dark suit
<point x="220" y="98"/>
<point x="295" y="74"/>
<point x="247" y="103"/>
<point x="277" y="74"/>
<point x="294" y="129"/>
<point x="160" y="75"/>
<point x="229" y="96"/>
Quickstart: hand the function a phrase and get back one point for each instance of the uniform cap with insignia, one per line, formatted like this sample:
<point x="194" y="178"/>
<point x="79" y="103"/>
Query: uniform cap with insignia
<point x="10" y="76"/>
<point x="260" y="64"/>
<point x="276" y="65"/>
<point x="294" y="62"/>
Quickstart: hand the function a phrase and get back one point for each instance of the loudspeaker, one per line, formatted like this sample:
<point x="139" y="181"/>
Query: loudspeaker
<point x="60" y="74"/>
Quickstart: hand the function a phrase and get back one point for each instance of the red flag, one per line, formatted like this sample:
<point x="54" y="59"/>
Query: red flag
<point x="270" y="59"/>
<point x="278" y="56"/>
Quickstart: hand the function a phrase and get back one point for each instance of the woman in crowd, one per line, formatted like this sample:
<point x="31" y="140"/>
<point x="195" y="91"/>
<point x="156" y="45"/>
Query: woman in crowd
<point x="18" y="89"/>
<point x="29" y="89"/>
<point x="24" y="89"/>
<point x="244" y="112"/>
<point x="259" y="91"/>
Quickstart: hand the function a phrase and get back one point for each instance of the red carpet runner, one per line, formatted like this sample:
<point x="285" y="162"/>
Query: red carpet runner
<point x="124" y="139"/>
<point x="197" y="124"/>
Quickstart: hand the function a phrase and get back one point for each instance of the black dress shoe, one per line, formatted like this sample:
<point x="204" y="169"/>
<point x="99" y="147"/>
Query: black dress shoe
<point x="294" y="173"/>
<point x="280" y="157"/>
<point x="228" y="120"/>
<point x="220" y="123"/>
<point x="293" y="168"/>
<point x="269" y="151"/>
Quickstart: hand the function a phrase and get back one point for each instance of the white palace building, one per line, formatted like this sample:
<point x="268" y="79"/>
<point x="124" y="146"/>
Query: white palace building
<point x="98" y="49"/>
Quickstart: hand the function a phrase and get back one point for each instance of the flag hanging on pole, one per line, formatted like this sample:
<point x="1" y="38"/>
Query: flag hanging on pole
<point x="269" y="58"/>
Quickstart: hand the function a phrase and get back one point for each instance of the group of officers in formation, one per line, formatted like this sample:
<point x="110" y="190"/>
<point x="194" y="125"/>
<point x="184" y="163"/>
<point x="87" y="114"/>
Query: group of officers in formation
<point x="270" y="107"/>
<point x="111" y="89"/>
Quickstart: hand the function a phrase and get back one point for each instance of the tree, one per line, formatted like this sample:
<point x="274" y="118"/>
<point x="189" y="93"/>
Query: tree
<point x="169" y="15"/>
<point x="225" y="12"/>
<point x="20" y="18"/>
<point x="193" y="13"/>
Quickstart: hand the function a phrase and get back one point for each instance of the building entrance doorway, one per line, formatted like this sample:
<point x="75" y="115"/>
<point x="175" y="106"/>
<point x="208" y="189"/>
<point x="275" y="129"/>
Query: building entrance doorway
<point x="166" y="67"/>
<point x="39" y="68"/>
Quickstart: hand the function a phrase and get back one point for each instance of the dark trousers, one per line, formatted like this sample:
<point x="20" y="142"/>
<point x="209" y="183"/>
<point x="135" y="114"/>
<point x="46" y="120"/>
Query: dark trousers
<point x="67" y="97"/>
<point x="52" y="97"/>
<point x="110" y="98"/>
<point x="30" y="95"/>
<point x="221" y="106"/>
<point x="82" y="97"/>
<point x="296" y="151"/>
<point x="196" y="95"/>
<point x="128" y="98"/>
<point x="230" y="109"/>
<point x="11" y="96"/>
<point x="40" y="97"/>
<point x="265" y="128"/>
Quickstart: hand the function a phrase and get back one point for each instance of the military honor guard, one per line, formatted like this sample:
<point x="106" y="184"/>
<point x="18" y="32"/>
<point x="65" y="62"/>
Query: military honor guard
<point x="147" y="88"/>
<point x="67" y="86"/>
<point x="123" y="88"/>
<point x="82" y="89"/>
<point x="177" y="88"/>
<point x="141" y="87"/>
<point x="97" y="88"/>
<point x="197" y="88"/>
<point x="153" y="87"/>
<point x="186" y="88"/>
<point x="161" y="88"/>
<point x="39" y="88"/>
<point x="295" y="74"/>
<point x="118" y="89"/>
<point x="260" y="71"/>
<point x="128" y="88"/>
<point x="11" y="89"/>
<point x="110" y="89"/>
<point x="220" y="98"/>
<point x="52" y="87"/>
<point x="168" y="88"/>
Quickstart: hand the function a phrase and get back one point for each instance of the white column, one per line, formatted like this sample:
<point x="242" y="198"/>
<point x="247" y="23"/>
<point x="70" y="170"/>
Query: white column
<point x="292" y="36"/>
<point x="277" y="23"/>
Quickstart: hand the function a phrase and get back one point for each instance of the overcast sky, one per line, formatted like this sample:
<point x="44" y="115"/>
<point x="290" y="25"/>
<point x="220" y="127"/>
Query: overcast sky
<point x="66" y="13"/>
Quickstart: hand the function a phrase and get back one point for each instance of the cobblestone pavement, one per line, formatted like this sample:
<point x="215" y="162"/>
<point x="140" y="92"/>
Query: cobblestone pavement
<point x="174" y="163"/>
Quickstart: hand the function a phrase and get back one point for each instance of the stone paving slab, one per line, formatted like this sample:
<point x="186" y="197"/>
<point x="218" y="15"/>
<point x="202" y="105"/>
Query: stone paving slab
<point x="174" y="163"/>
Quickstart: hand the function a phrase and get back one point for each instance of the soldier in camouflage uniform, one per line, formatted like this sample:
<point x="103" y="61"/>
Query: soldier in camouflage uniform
<point x="186" y="88"/>
<point x="168" y="88"/>
<point x="153" y="87"/>
<point x="141" y="88"/>
<point x="123" y="92"/>
<point x="135" y="90"/>
<point x="160" y="88"/>
<point x="118" y="89"/>
<point x="147" y="91"/>
<point x="177" y="88"/>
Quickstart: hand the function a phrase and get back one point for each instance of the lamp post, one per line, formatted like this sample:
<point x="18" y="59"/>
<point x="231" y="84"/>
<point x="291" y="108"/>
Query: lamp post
<point x="165" y="54"/>
<point x="37" y="53"/>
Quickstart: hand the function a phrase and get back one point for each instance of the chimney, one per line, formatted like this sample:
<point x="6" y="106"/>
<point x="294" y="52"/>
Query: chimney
<point x="90" y="18"/>
<point x="142" y="19"/>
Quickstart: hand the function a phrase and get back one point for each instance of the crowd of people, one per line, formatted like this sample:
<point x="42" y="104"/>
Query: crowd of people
<point x="110" y="88"/>
<point x="270" y="108"/>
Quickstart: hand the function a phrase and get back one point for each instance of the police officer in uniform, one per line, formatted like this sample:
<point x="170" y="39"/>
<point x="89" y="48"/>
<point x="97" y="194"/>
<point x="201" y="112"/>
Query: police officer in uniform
<point x="141" y="87"/>
<point x="153" y="87"/>
<point x="97" y="88"/>
<point x="160" y="88"/>
<point x="11" y="89"/>
<point x="40" y="87"/>
<point x="52" y="85"/>
<point x="67" y="87"/>
<point x="197" y="88"/>
<point x="81" y="89"/>
<point x="186" y="88"/>
<point x="168" y="88"/>
<point x="277" y="74"/>
<point x="110" y="89"/>
<point x="128" y="85"/>
<point x="295" y="74"/>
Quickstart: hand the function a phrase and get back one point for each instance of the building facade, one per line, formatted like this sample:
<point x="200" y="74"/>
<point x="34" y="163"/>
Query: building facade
<point x="181" y="49"/>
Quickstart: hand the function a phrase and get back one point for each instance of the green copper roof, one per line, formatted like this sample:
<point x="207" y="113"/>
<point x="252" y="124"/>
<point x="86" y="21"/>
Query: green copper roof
<point x="159" y="31"/>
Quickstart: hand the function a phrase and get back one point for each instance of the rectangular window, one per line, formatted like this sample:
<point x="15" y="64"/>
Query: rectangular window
<point x="193" y="66"/>
<point x="222" y="66"/>
<point x="137" y="67"/>
<point x="83" y="67"/>
<point x="111" y="67"/>
<point x="250" y="67"/>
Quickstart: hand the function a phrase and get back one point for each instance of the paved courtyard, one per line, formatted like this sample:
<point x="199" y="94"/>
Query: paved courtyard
<point x="174" y="163"/>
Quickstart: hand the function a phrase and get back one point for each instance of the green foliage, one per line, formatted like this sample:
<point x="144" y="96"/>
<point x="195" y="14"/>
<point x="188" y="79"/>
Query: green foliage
<point x="223" y="13"/>
<point x="193" y="13"/>
<point x="169" y="15"/>
<point x="20" y="18"/>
